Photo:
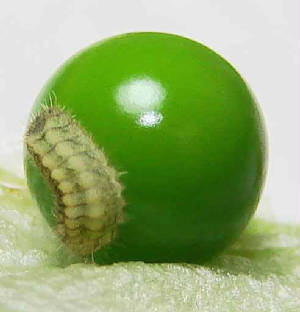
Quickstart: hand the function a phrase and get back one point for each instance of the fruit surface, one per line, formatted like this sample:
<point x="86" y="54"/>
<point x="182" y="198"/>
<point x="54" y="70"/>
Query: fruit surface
<point x="182" y="129"/>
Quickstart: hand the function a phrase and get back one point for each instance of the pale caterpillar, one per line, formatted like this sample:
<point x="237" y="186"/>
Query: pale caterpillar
<point x="88" y="195"/>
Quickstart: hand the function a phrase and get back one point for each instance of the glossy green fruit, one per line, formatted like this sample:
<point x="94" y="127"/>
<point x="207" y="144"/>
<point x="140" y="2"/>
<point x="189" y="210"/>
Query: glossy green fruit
<point x="184" y="130"/>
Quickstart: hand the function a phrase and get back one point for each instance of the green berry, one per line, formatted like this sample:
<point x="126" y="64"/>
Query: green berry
<point x="146" y="146"/>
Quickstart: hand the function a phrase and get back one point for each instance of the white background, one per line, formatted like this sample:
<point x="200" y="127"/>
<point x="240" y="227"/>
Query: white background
<point x="259" y="37"/>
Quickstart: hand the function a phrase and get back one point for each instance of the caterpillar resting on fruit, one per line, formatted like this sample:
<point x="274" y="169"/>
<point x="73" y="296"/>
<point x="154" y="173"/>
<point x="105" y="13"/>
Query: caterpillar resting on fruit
<point x="88" y="195"/>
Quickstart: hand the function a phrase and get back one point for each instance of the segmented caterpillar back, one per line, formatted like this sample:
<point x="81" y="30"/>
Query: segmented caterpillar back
<point x="88" y="195"/>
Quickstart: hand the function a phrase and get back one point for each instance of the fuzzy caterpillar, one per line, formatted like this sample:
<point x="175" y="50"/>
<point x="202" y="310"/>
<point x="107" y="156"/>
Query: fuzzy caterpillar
<point x="88" y="196"/>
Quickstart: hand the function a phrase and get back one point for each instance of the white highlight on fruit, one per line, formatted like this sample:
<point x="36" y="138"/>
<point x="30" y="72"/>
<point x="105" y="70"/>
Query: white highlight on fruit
<point x="150" y="119"/>
<point x="140" y="95"/>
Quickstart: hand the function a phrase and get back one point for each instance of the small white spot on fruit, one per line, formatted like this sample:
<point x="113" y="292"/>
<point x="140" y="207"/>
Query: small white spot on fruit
<point x="150" y="119"/>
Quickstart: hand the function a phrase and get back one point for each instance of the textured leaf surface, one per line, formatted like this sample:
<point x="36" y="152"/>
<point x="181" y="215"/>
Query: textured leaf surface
<point x="259" y="273"/>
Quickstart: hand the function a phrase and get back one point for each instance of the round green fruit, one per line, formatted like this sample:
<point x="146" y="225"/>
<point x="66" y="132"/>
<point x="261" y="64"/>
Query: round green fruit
<point x="146" y="146"/>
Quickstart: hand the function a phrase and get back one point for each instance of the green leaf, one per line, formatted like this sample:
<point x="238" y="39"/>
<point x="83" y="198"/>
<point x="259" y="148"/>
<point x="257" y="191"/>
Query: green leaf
<point x="259" y="273"/>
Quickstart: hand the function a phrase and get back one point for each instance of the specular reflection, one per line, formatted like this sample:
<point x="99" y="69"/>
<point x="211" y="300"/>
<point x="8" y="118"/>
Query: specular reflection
<point x="150" y="119"/>
<point x="142" y="97"/>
